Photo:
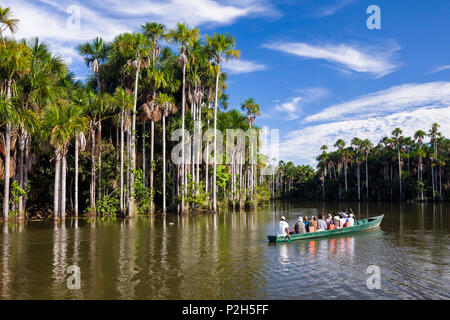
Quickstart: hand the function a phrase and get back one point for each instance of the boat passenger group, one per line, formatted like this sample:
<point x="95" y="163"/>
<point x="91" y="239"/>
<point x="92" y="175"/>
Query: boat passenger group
<point x="320" y="223"/>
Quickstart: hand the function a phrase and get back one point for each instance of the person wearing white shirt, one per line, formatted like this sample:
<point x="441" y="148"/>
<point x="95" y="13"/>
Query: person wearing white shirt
<point x="283" y="228"/>
<point x="351" y="220"/>
<point x="342" y="220"/>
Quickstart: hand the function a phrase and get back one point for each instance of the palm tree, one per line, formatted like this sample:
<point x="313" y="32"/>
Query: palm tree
<point x="340" y="144"/>
<point x="220" y="46"/>
<point x="153" y="31"/>
<point x="7" y="22"/>
<point x="182" y="35"/>
<point x="167" y="105"/>
<point x="367" y="146"/>
<point x="398" y="141"/>
<point x="324" y="149"/>
<point x="138" y="45"/>
<point x="62" y="122"/>
<point x="253" y="110"/>
<point x="124" y="101"/>
<point x="357" y="144"/>
<point x="434" y="134"/>
<point x="16" y="61"/>
<point x="95" y="53"/>
<point x="419" y="136"/>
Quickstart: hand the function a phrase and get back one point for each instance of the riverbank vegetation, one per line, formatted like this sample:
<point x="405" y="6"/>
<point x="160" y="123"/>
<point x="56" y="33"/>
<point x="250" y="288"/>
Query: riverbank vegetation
<point x="103" y="147"/>
<point x="396" y="168"/>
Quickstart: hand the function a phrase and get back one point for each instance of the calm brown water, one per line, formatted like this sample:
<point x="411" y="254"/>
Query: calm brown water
<point x="226" y="256"/>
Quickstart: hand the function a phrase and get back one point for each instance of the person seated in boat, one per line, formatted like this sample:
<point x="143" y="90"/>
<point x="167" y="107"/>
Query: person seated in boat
<point x="299" y="226"/>
<point x="313" y="223"/>
<point x="342" y="220"/>
<point x="329" y="220"/>
<point x="345" y="213"/>
<point x="321" y="223"/>
<point x="350" y="220"/>
<point x="337" y="223"/>
<point x="306" y="222"/>
<point x="283" y="228"/>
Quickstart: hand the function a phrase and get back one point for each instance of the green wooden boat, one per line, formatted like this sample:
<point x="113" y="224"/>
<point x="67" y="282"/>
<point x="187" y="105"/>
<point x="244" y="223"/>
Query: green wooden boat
<point x="360" y="225"/>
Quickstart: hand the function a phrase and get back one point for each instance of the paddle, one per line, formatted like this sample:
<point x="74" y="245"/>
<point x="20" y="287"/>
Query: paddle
<point x="288" y="239"/>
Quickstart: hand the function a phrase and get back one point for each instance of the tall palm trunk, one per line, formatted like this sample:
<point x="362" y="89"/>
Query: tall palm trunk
<point x="358" y="176"/>
<point x="99" y="147"/>
<point x="25" y="175"/>
<point x="63" y="183"/>
<point x="367" y="181"/>
<point x="92" y="187"/>
<point x="400" y="172"/>
<point x="183" y="102"/>
<point x="152" y="148"/>
<point x="164" y="162"/>
<point x="215" y="144"/>
<point x="22" y="138"/>
<point x="143" y="153"/>
<point x="56" y="185"/>
<point x="207" y="163"/>
<point x="133" y="145"/>
<point x="77" y="147"/>
<point x="7" y="158"/>
<point x="122" y="138"/>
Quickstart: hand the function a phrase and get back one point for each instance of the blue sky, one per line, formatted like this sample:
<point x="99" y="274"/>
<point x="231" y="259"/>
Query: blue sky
<point x="315" y="68"/>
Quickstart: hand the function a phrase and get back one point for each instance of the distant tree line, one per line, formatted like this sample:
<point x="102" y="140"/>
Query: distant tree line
<point x="396" y="168"/>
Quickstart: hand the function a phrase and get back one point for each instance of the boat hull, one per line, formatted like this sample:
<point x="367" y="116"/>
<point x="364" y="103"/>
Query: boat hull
<point x="360" y="225"/>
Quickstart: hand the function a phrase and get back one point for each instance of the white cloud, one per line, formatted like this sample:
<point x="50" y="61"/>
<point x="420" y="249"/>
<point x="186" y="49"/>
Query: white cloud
<point x="334" y="7"/>
<point x="302" y="146"/>
<point x="291" y="107"/>
<point x="47" y="19"/>
<point x="375" y="61"/>
<point x="242" y="66"/>
<point x="440" y="68"/>
<point x="396" y="99"/>
<point x="306" y="96"/>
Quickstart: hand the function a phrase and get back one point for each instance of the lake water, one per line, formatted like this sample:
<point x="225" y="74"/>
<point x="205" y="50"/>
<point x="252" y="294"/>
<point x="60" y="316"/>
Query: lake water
<point x="227" y="256"/>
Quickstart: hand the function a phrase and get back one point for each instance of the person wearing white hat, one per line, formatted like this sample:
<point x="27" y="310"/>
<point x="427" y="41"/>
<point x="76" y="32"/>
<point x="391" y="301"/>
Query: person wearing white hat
<point x="283" y="228"/>
<point x="299" y="226"/>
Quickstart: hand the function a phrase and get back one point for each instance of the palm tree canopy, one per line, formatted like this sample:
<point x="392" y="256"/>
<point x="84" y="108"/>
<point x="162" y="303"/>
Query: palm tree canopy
<point x="222" y="45"/>
<point x="7" y="22"/>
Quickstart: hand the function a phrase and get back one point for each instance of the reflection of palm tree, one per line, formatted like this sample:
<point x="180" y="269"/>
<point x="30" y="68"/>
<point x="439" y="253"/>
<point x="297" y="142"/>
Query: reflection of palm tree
<point x="220" y="45"/>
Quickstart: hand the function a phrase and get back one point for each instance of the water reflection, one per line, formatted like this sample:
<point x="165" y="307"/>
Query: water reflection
<point x="226" y="256"/>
